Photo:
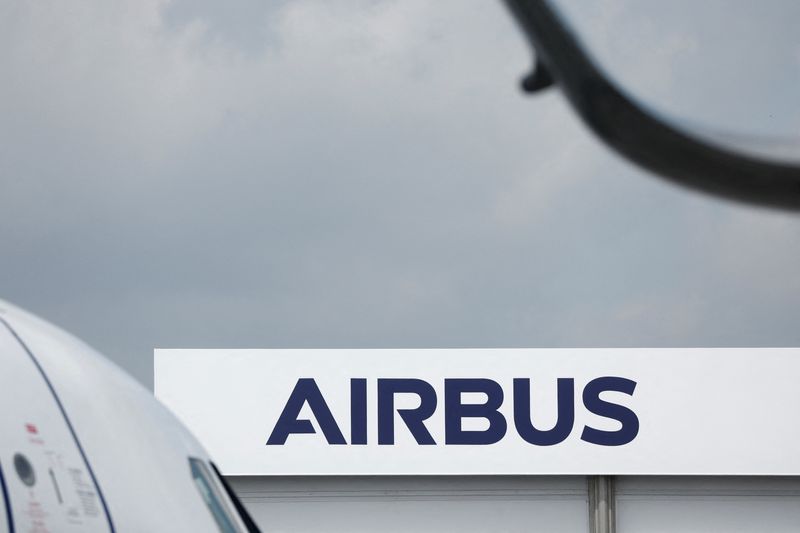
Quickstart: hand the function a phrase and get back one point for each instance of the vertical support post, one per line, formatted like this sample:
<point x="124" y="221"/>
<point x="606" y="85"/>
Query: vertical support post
<point x="602" y="508"/>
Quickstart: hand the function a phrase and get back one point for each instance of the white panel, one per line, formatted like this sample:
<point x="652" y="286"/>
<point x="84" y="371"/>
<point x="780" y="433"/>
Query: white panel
<point x="137" y="450"/>
<point x="700" y="411"/>
<point x="48" y="482"/>
<point x="725" y="505"/>
<point x="337" y="504"/>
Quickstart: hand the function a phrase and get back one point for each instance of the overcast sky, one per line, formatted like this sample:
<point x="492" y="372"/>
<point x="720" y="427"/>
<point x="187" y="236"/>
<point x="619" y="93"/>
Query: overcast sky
<point x="367" y="174"/>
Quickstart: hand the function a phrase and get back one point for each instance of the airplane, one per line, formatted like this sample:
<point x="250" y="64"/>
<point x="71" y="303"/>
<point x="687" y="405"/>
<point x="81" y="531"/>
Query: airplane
<point x="86" y="448"/>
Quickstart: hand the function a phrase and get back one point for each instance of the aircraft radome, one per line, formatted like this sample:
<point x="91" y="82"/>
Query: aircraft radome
<point x="85" y="448"/>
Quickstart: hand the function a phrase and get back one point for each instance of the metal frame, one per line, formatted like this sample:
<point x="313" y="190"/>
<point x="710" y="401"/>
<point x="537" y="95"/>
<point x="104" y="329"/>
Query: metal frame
<point x="602" y="505"/>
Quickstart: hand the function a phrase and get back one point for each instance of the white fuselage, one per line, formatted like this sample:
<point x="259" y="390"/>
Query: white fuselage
<point x="84" y="447"/>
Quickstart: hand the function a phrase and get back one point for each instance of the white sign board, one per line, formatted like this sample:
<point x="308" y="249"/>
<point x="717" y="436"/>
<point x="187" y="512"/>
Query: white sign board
<point x="490" y="411"/>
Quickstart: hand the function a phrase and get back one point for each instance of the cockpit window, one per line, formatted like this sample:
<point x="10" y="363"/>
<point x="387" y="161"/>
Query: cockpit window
<point x="211" y="496"/>
<point x="249" y="523"/>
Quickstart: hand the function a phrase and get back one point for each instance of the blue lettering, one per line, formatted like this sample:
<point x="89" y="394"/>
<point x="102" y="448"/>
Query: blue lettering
<point x="626" y="417"/>
<point x="358" y="411"/>
<point x="564" y="421"/>
<point x="306" y="391"/>
<point x="414" y="418"/>
<point x="455" y="411"/>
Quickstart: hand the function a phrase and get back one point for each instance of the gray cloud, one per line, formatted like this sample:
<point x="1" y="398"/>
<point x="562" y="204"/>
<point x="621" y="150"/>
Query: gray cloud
<point x="351" y="175"/>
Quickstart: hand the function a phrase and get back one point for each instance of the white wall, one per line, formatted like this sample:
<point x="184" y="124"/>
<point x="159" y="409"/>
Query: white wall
<point x="394" y="504"/>
<point x="708" y="504"/>
<point x="519" y="503"/>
